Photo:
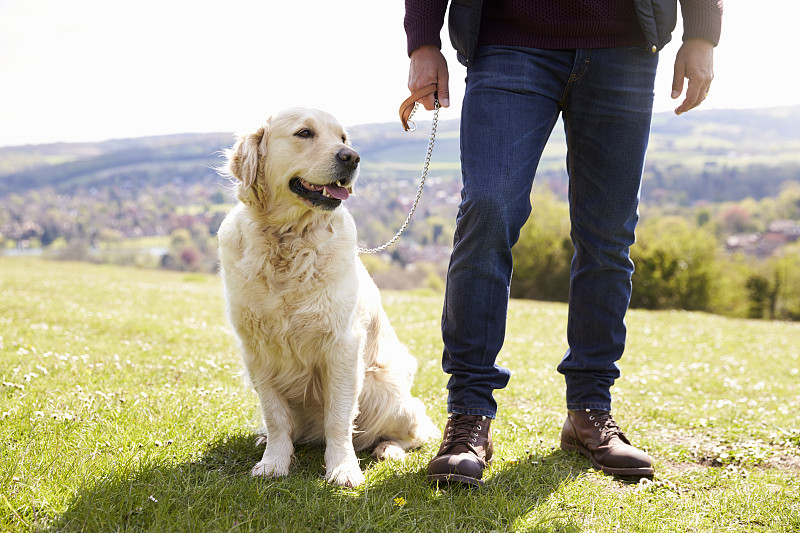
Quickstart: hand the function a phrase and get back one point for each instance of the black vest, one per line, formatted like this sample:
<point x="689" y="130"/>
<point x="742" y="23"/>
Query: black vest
<point x="656" y="17"/>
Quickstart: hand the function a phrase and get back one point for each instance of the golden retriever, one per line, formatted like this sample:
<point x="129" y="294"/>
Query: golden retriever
<point x="316" y="343"/>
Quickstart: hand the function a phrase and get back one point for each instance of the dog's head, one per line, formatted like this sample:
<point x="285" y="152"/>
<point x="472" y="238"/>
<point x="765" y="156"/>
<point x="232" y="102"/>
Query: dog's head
<point x="301" y="159"/>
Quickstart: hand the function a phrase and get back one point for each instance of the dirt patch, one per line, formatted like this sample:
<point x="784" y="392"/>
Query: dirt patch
<point x="705" y="451"/>
<point x="784" y="462"/>
<point x="681" y="468"/>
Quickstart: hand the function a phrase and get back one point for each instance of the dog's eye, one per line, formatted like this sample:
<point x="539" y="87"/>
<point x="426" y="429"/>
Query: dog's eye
<point x="305" y="133"/>
<point x="344" y="139"/>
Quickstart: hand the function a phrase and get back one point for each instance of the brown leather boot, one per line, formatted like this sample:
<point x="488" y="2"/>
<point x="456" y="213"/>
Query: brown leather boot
<point x="465" y="451"/>
<point x="595" y="434"/>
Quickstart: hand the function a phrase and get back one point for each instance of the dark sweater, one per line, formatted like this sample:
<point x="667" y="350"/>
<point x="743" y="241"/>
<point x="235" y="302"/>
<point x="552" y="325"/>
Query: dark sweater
<point x="558" y="24"/>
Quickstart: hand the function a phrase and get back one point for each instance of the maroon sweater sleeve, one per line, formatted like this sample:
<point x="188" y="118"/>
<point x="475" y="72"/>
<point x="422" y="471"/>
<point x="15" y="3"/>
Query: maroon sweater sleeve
<point x="550" y="25"/>
<point x="423" y="23"/>
<point x="702" y="19"/>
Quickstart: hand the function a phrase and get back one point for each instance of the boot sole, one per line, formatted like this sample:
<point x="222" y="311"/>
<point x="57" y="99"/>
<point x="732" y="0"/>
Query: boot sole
<point x="636" y="471"/>
<point x="448" y="479"/>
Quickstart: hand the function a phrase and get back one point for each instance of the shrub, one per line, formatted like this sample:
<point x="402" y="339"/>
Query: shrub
<point x="675" y="266"/>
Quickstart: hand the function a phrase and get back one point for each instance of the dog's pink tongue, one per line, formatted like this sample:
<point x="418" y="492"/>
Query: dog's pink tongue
<point x="340" y="193"/>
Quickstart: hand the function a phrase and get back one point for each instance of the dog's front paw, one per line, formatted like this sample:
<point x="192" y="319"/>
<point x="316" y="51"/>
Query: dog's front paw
<point x="268" y="468"/>
<point x="346" y="474"/>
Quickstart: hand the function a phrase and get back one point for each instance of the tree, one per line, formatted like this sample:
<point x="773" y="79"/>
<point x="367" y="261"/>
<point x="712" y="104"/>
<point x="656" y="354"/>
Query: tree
<point x="735" y="219"/>
<point x="786" y="275"/>
<point x="675" y="266"/>
<point x="760" y="295"/>
<point x="788" y="201"/>
<point x="218" y="198"/>
<point x="191" y="258"/>
<point x="180" y="238"/>
<point x="544" y="251"/>
<point x="730" y="295"/>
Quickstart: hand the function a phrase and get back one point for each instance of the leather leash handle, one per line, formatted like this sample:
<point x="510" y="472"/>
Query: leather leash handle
<point x="407" y="107"/>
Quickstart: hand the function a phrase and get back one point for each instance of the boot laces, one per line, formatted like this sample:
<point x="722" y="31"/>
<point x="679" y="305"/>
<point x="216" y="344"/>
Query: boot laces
<point x="464" y="430"/>
<point x="608" y="427"/>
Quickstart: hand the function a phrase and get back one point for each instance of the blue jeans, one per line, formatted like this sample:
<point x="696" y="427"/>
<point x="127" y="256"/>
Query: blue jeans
<point x="513" y="99"/>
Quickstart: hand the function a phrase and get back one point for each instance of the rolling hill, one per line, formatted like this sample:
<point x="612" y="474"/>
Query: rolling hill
<point x="740" y="152"/>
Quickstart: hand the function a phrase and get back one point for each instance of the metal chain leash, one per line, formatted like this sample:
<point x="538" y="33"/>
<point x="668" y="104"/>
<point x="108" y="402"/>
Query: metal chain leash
<point x="422" y="178"/>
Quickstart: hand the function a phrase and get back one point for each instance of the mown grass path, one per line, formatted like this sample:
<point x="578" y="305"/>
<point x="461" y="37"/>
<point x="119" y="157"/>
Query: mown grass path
<point x="121" y="409"/>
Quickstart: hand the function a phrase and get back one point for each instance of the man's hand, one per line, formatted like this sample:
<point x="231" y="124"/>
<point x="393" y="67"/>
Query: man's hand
<point x="695" y="62"/>
<point x="428" y="65"/>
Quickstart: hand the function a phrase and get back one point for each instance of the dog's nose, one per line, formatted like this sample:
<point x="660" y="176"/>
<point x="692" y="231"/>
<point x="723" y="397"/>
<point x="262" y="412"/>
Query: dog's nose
<point x="349" y="158"/>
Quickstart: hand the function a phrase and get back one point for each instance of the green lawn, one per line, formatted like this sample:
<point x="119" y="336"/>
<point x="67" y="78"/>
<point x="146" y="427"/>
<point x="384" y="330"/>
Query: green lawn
<point x="122" y="409"/>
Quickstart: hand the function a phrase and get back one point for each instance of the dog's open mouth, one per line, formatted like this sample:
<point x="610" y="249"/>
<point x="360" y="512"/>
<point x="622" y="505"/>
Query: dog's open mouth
<point x="328" y="196"/>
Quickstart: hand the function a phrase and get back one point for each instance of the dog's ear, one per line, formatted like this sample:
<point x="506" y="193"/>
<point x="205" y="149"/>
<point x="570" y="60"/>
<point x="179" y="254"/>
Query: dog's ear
<point x="244" y="158"/>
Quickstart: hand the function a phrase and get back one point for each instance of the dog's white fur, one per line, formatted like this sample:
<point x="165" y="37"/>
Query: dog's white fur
<point x="316" y="342"/>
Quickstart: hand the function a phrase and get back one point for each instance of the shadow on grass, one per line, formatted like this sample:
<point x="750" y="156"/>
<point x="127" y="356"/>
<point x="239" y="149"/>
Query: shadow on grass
<point x="216" y="493"/>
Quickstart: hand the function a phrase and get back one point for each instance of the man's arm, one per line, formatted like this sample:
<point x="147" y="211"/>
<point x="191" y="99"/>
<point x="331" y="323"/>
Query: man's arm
<point x="702" y="23"/>
<point x="423" y="24"/>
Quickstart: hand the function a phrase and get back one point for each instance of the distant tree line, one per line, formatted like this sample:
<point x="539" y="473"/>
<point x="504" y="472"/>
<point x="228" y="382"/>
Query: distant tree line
<point x="681" y="262"/>
<point x="71" y="225"/>
<point x="715" y="183"/>
<point x="684" y="257"/>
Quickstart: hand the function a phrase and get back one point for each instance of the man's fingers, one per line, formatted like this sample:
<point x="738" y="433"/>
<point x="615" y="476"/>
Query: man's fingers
<point x="427" y="102"/>
<point x="694" y="97"/>
<point x="677" y="78"/>
<point x="696" y="93"/>
<point x="443" y="88"/>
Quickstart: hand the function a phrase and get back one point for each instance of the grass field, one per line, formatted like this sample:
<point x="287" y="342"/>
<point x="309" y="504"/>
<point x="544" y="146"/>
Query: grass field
<point x="122" y="409"/>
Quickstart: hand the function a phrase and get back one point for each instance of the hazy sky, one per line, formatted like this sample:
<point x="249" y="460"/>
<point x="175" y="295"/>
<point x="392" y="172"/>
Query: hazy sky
<point x="89" y="70"/>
